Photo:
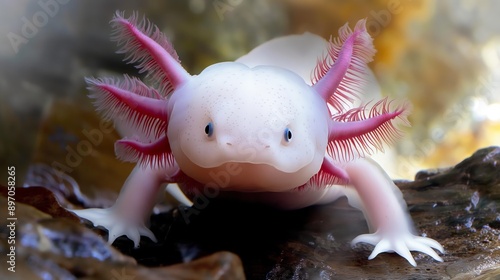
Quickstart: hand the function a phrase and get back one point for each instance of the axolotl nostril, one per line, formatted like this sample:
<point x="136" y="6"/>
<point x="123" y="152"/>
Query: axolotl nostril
<point x="276" y="136"/>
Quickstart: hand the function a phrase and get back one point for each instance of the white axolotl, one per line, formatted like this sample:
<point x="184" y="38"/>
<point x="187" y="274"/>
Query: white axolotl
<point x="253" y="131"/>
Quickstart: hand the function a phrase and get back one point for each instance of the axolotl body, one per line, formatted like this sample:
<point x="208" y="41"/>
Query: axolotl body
<point x="258" y="132"/>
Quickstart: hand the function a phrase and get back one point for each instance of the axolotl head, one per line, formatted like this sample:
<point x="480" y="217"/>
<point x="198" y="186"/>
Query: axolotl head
<point x="248" y="129"/>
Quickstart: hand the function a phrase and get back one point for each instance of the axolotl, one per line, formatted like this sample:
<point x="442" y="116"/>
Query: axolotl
<point x="275" y="137"/>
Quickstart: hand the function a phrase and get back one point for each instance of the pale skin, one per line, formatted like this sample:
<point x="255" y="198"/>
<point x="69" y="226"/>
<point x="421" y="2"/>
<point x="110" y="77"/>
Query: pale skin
<point x="258" y="133"/>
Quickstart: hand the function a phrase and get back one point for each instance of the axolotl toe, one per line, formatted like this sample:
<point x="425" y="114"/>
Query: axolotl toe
<point x="255" y="132"/>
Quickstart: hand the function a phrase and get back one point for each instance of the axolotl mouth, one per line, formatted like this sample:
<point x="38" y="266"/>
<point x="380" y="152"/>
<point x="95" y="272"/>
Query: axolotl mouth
<point x="249" y="177"/>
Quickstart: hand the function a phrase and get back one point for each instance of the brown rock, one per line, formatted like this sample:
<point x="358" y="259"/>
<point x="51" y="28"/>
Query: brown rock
<point x="60" y="248"/>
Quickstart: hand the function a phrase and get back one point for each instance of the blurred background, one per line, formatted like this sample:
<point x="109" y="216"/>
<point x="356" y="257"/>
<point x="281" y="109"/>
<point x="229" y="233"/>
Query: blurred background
<point x="443" y="56"/>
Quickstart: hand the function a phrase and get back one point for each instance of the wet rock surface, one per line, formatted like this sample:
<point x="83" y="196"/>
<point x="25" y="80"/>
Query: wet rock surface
<point x="55" y="245"/>
<point x="226" y="240"/>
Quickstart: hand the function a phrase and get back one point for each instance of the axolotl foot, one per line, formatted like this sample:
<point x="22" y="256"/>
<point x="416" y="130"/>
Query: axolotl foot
<point x="401" y="244"/>
<point x="382" y="203"/>
<point x="116" y="224"/>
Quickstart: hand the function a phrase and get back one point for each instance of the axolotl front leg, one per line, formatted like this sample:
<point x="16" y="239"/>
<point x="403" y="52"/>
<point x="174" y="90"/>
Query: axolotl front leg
<point x="131" y="211"/>
<point x="374" y="193"/>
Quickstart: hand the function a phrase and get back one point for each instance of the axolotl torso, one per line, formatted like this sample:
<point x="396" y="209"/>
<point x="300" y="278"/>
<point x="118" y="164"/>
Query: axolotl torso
<point x="260" y="133"/>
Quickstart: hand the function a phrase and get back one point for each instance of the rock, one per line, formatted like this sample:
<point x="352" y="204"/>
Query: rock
<point x="480" y="169"/>
<point x="459" y="207"/>
<point x="42" y="199"/>
<point x="58" y="247"/>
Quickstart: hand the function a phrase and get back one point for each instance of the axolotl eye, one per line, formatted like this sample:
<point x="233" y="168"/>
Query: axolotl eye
<point x="209" y="129"/>
<point x="287" y="135"/>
